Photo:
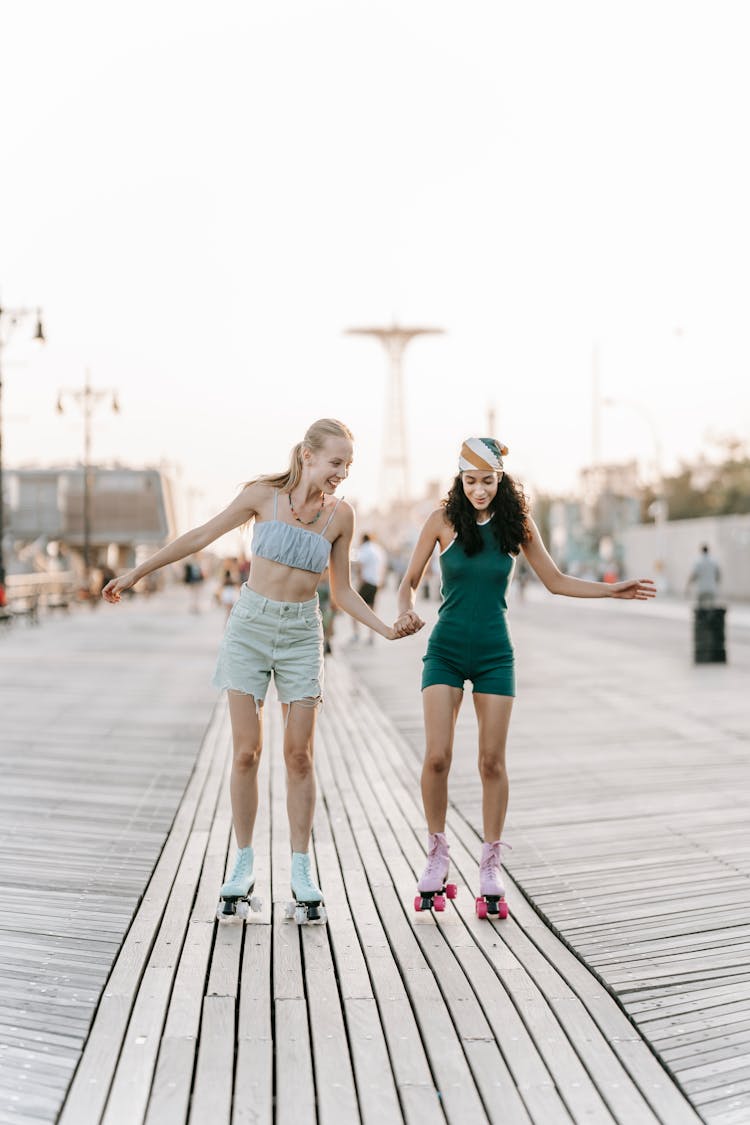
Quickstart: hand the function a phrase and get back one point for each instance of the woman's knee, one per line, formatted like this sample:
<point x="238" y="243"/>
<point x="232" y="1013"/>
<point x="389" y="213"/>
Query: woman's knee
<point x="491" y="767"/>
<point x="438" y="760"/>
<point x="247" y="755"/>
<point x="299" y="760"/>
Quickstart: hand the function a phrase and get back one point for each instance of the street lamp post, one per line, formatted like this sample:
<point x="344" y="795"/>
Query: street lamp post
<point x="87" y="398"/>
<point x="12" y="317"/>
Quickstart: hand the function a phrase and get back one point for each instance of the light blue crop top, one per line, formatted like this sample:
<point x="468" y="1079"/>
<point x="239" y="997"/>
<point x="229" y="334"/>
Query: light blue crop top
<point x="293" y="546"/>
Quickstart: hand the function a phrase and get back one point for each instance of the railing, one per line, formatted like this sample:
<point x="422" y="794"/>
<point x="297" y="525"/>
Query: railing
<point x="27" y="594"/>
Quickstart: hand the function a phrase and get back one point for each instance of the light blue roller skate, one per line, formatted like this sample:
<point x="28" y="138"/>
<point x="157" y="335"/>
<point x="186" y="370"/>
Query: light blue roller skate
<point x="235" y="896"/>
<point x="308" y="899"/>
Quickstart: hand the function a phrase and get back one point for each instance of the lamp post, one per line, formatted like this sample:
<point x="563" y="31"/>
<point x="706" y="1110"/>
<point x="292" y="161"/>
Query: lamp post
<point x="87" y="398"/>
<point x="12" y="317"/>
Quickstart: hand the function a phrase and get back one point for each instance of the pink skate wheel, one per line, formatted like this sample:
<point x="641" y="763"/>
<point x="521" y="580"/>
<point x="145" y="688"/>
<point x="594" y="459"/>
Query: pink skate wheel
<point x="438" y="903"/>
<point x="502" y="909"/>
<point x="418" y="903"/>
<point x="481" y="908"/>
<point x="451" y="890"/>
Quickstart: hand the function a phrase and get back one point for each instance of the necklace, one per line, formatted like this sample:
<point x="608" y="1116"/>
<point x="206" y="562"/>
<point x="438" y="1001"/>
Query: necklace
<point x="306" y="523"/>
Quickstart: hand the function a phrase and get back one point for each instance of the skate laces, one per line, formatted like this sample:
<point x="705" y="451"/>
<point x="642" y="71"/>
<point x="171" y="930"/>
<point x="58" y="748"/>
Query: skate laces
<point x="244" y="862"/>
<point x="434" y="854"/>
<point x="491" y="855"/>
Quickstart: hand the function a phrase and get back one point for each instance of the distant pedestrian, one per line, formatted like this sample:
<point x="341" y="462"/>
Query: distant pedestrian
<point x="276" y="627"/>
<point x="229" y="593"/>
<point x="705" y="577"/>
<point x="372" y="566"/>
<point x="193" y="578"/>
<point x="480" y="529"/>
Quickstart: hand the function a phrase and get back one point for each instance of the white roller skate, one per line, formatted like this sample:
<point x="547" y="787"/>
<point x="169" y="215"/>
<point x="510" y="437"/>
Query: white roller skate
<point x="235" y="896"/>
<point x="433" y="888"/>
<point x="308" y="899"/>
<point x="491" y="901"/>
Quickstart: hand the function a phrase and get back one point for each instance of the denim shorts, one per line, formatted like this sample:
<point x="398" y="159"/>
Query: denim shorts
<point x="263" y="636"/>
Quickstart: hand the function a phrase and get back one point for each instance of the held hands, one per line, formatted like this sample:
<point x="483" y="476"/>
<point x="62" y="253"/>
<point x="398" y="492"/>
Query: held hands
<point x="111" y="592"/>
<point x="406" y="624"/>
<point x="639" y="588"/>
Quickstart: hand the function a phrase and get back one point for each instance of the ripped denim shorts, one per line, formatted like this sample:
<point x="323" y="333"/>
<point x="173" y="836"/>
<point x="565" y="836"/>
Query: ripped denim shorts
<point x="263" y="636"/>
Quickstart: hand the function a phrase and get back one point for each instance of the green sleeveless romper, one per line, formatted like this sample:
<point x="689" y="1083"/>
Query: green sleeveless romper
<point x="470" y="640"/>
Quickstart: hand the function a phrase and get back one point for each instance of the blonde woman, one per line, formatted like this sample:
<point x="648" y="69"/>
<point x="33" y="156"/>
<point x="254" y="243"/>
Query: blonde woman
<point x="300" y="529"/>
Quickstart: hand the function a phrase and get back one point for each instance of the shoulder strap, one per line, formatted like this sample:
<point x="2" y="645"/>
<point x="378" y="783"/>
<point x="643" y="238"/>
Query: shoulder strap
<point x="333" y="513"/>
<point x="275" y="501"/>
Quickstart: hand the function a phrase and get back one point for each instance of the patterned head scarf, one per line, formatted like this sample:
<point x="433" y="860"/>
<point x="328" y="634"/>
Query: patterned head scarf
<point x="482" y="453"/>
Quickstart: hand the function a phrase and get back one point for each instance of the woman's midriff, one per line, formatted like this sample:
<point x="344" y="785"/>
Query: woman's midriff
<point x="282" y="583"/>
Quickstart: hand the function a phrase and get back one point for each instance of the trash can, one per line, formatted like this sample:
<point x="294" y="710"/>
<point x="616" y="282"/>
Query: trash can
<point x="708" y="635"/>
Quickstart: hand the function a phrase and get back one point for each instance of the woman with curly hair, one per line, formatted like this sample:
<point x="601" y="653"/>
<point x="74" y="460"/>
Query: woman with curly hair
<point x="481" y="528"/>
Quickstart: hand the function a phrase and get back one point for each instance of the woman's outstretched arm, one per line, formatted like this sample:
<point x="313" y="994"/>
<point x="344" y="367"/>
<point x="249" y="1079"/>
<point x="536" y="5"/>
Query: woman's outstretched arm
<point x="556" y="582"/>
<point x="242" y="509"/>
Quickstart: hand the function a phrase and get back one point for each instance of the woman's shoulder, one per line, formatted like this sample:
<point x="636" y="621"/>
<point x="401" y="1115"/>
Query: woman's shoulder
<point x="438" y="520"/>
<point x="257" y="495"/>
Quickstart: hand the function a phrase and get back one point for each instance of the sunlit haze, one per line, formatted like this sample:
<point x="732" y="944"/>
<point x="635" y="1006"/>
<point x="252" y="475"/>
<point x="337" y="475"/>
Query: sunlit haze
<point x="202" y="200"/>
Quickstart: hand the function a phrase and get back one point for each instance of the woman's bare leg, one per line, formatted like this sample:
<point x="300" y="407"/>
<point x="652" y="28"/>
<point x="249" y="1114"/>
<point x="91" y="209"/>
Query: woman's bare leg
<point x="247" y="742"/>
<point x="298" y="757"/>
<point x="493" y="717"/>
<point x="441" y="704"/>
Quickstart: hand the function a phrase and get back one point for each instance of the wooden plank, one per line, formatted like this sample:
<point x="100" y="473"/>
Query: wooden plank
<point x="212" y="1093"/>
<point x="253" y="1082"/>
<point x="334" y="1081"/>
<point x="295" y="1099"/>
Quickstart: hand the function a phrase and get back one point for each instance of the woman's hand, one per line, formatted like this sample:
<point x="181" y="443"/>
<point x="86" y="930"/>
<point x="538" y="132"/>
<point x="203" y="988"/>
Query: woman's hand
<point x="407" y="623"/>
<point x="113" y="589"/>
<point x="639" y="588"/>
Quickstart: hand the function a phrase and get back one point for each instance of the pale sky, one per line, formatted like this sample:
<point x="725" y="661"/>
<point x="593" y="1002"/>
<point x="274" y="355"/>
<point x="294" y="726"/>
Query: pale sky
<point x="202" y="198"/>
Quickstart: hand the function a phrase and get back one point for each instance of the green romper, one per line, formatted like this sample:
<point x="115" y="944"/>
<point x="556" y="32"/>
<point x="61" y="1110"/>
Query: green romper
<point x="471" y="640"/>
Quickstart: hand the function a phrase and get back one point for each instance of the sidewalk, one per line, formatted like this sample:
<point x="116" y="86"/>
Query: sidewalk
<point x="629" y="814"/>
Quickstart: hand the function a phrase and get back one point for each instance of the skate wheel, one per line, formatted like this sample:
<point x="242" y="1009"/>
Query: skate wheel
<point x="481" y="907"/>
<point x="300" y="915"/>
<point x="418" y="903"/>
<point x="502" y="909"/>
<point x="451" y="890"/>
<point x="256" y="905"/>
<point x="289" y="909"/>
<point x="242" y="909"/>
<point x="438" y="903"/>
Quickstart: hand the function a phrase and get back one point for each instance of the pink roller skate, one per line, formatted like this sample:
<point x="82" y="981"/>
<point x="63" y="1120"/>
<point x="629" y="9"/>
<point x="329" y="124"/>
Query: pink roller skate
<point x="491" y="902"/>
<point x="432" y="887"/>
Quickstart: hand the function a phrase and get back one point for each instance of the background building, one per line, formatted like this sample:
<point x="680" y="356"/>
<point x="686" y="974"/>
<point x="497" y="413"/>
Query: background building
<point x="128" y="508"/>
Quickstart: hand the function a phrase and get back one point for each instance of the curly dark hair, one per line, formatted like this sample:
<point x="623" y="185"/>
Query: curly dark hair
<point x="509" y="506"/>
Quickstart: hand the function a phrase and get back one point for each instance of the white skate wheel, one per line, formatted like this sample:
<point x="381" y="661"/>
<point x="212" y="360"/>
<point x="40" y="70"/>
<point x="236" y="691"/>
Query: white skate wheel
<point x="242" y="909"/>
<point x="289" y="909"/>
<point x="300" y="915"/>
<point x="256" y="905"/>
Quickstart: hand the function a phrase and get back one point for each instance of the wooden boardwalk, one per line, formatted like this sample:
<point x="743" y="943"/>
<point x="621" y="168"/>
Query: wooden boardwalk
<point x="629" y="816"/>
<point x="101" y="716"/>
<point x="382" y="1016"/>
